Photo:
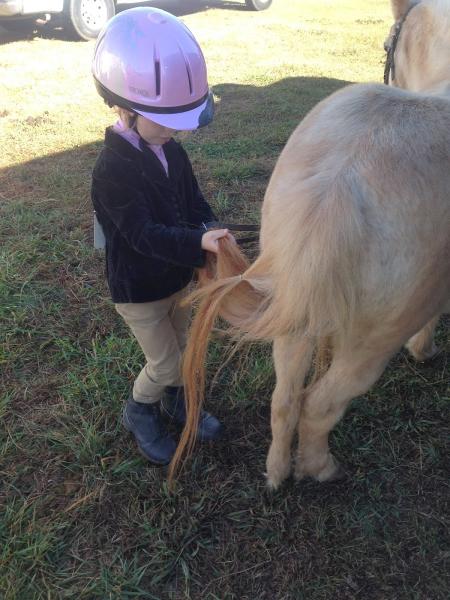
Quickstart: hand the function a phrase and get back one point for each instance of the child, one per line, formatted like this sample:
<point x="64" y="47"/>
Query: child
<point x="148" y="65"/>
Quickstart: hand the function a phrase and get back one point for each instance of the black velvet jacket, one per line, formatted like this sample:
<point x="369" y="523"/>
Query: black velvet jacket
<point x="152" y="223"/>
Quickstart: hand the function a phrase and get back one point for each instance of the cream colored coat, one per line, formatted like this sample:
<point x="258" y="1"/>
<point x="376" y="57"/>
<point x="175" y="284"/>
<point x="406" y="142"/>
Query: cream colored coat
<point x="355" y="246"/>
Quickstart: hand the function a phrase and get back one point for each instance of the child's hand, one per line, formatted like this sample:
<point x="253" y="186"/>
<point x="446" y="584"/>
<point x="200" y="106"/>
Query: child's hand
<point x="210" y="239"/>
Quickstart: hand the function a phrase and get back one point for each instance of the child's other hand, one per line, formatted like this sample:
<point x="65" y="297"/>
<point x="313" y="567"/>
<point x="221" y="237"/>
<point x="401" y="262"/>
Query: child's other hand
<point x="210" y="239"/>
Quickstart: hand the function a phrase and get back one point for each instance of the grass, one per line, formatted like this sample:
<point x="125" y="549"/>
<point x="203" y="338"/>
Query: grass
<point x="82" y="515"/>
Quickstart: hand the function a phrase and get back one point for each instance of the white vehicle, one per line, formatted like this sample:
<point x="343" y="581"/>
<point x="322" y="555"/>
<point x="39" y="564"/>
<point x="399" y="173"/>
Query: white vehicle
<point x="84" y="18"/>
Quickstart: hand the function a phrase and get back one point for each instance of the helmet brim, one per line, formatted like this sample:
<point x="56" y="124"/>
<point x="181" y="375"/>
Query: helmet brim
<point x="184" y="121"/>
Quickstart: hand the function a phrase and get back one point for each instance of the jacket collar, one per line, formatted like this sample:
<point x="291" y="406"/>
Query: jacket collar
<point x="145" y="159"/>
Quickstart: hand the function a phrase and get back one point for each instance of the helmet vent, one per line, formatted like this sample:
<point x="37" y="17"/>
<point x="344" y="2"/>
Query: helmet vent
<point x="189" y="75"/>
<point x="188" y="69"/>
<point x="158" y="77"/>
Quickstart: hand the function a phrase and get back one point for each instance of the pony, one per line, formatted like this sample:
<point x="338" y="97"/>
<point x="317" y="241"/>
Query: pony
<point x="354" y="248"/>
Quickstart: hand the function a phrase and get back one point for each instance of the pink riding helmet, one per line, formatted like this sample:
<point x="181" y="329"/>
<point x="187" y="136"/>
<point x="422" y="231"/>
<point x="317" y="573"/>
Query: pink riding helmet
<point x="147" y="60"/>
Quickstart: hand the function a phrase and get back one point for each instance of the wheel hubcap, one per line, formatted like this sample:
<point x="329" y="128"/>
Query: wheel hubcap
<point x="94" y="13"/>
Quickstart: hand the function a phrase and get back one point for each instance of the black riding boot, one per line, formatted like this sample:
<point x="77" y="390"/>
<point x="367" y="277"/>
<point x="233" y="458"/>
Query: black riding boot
<point x="149" y="429"/>
<point x="173" y="409"/>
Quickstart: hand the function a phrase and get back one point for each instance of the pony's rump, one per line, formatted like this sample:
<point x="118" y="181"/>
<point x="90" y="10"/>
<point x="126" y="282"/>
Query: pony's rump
<point x="355" y="246"/>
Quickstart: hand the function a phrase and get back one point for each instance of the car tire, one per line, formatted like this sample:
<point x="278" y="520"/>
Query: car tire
<point x="258" y="4"/>
<point x="85" y="18"/>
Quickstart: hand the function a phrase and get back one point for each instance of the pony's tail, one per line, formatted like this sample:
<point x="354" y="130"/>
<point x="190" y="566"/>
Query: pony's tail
<point x="307" y="281"/>
<point x="234" y="297"/>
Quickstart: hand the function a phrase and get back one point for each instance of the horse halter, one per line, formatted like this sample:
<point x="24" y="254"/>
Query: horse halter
<point x="389" y="67"/>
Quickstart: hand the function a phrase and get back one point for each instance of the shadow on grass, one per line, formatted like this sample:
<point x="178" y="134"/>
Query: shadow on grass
<point x="46" y="204"/>
<point x="251" y="126"/>
<point x="84" y="514"/>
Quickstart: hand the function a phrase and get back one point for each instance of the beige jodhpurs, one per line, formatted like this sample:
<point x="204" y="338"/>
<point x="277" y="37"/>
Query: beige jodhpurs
<point x="161" y="330"/>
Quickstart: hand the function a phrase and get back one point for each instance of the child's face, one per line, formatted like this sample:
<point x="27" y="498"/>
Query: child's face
<point x="152" y="132"/>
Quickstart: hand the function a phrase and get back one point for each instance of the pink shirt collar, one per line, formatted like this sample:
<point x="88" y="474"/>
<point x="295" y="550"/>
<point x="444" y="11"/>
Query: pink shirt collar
<point x="133" y="138"/>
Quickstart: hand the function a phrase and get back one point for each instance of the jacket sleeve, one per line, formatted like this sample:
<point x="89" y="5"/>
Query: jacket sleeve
<point x="126" y="209"/>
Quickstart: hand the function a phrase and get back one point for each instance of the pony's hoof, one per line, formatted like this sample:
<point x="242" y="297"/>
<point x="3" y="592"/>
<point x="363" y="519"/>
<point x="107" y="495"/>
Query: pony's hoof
<point x="278" y="469"/>
<point x="331" y="471"/>
<point x="273" y="483"/>
<point x="338" y="475"/>
<point x="299" y="474"/>
<point x="427" y="356"/>
<point x="421" y="353"/>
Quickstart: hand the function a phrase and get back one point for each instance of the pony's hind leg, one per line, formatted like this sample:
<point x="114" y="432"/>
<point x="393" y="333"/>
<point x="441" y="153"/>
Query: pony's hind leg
<point x="292" y="358"/>
<point x="422" y="345"/>
<point x="350" y="374"/>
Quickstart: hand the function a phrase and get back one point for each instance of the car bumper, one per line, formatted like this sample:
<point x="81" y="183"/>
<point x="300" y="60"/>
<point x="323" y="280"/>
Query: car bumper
<point x="21" y="8"/>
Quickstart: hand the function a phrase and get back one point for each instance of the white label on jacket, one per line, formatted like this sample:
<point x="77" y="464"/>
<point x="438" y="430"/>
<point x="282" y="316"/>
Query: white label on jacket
<point x="99" y="236"/>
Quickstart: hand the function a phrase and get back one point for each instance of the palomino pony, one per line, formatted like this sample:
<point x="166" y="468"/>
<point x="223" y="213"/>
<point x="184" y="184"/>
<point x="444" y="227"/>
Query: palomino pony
<point x="355" y="247"/>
